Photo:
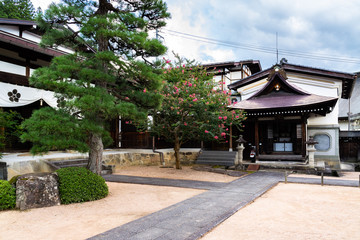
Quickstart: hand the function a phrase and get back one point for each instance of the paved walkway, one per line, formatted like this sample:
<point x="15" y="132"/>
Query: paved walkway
<point x="192" y="218"/>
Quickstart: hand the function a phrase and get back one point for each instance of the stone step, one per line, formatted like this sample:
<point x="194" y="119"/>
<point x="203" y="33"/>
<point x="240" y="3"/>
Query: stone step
<point x="70" y="162"/>
<point x="221" y="158"/>
<point x="106" y="169"/>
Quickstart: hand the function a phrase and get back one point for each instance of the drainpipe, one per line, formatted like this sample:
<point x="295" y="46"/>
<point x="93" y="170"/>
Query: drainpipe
<point x="161" y="154"/>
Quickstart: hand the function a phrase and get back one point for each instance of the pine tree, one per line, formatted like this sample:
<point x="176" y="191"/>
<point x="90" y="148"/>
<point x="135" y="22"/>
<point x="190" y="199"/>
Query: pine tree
<point x="109" y="75"/>
<point x="18" y="9"/>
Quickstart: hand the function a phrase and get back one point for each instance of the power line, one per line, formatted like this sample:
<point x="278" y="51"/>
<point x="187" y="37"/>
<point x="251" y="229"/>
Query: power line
<point x="263" y="49"/>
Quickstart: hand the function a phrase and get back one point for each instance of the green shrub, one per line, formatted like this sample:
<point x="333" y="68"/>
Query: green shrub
<point x="78" y="184"/>
<point x="7" y="195"/>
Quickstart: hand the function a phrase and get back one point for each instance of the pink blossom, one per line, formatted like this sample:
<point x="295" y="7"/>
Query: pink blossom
<point x="127" y="122"/>
<point x="164" y="72"/>
<point x="223" y="134"/>
<point x="195" y="99"/>
<point x="184" y="65"/>
<point x="168" y="61"/>
<point x="206" y="131"/>
<point x="225" y="117"/>
<point x="237" y="116"/>
<point x="216" y="137"/>
<point x="144" y="90"/>
<point x="185" y="123"/>
<point x="126" y="98"/>
<point x="227" y="129"/>
<point x="207" y="103"/>
<point x="227" y="141"/>
<point x="182" y="71"/>
<point x="190" y="84"/>
<point x="219" y="71"/>
<point x="220" y="117"/>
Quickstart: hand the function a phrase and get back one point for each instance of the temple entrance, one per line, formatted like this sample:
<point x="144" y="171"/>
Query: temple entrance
<point x="280" y="137"/>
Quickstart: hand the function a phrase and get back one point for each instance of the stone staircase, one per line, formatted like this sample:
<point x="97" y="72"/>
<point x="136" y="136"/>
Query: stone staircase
<point x="81" y="162"/>
<point x="221" y="158"/>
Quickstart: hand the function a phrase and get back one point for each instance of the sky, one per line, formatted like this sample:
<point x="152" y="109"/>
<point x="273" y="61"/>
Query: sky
<point x="317" y="33"/>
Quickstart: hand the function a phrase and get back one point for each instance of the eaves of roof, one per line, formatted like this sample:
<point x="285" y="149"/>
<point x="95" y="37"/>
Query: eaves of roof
<point x="28" y="44"/>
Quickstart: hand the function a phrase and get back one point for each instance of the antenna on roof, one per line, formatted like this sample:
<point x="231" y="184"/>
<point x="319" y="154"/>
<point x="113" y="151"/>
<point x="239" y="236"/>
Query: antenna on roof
<point x="277" y="50"/>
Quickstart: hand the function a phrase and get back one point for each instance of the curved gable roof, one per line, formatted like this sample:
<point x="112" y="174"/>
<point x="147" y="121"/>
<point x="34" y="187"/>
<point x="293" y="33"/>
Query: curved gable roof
<point x="346" y="78"/>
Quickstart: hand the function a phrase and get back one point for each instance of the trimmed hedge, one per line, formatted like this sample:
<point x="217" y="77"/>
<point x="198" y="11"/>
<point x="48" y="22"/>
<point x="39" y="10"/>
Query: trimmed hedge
<point x="78" y="184"/>
<point x="7" y="195"/>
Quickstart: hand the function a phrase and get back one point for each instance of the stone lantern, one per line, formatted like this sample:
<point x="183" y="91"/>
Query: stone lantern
<point x="311" y="149"/>
<point x="240" y="148"/>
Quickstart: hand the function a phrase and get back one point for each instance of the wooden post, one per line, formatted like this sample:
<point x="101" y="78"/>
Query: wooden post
<point x="230" y="140"/>
<point x="322" y="179"/>
<point x="27" y="68"/>
<point x="256" y="138"/>
<point x="303" y="136"/>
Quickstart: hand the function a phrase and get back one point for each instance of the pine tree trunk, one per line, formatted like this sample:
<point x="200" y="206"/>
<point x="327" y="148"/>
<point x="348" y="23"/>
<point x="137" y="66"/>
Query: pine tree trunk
<point x="95" y="153"/>
<point x="95" y="141"/>
<point x="177" y="152"/>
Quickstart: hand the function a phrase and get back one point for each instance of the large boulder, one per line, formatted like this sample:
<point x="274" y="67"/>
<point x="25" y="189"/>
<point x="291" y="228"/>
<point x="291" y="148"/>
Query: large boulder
<point x="35" y="190"/>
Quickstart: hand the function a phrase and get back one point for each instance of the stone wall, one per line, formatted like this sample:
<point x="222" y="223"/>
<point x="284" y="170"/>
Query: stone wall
<point x="148" y="158"/>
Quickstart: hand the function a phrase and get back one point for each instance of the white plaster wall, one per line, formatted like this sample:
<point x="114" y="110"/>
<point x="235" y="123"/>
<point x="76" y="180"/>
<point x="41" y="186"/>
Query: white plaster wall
<point x="344" y="126"/>
<point x="64" y="49"/>
<point x="31" y="36"/>
<point x="10" y="29"/>
<point x="249" y="90"/>
<point x="12" y="68"/>
<point x="318" y="86"/>
<point x="333" y="146"/>
<point x="322" y="87"/>
<point x="235" y="75"/>
<point x="32" y="71"/>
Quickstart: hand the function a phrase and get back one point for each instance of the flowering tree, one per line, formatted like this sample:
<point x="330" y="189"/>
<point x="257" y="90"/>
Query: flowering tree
<point x="194" y="107"/>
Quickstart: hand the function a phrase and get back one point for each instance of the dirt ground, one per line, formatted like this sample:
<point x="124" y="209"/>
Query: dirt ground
<point x="297" y="211"/>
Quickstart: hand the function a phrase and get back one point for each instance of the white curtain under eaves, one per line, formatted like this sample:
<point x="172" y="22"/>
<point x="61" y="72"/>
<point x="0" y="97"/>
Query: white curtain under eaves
<point x="16" y="96"/>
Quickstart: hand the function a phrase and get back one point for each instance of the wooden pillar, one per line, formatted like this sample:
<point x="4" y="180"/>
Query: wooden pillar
<point x="257" y="137"/>
<point x="230" y="140"/>
<point x="27" y="71"/>
<point x="303" y="136"/>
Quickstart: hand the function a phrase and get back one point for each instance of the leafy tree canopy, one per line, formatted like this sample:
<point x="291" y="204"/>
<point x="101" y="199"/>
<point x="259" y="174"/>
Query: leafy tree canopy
<point x="110" y="74"/>
<point x="18" y="9"/>
<point x="194" y="107"/>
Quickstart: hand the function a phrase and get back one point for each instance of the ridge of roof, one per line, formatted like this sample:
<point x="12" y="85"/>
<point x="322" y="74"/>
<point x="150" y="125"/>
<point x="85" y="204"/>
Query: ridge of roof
<point x="11" y="21"/>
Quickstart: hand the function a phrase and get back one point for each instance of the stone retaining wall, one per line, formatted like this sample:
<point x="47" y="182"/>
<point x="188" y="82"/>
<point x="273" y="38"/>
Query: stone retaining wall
<point x="130" y="159"/>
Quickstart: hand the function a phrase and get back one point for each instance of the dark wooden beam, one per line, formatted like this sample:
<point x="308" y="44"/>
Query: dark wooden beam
<point x="14" y="79"/>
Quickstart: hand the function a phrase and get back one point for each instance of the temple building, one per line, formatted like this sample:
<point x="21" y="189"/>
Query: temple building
<point x="285" y="105"/>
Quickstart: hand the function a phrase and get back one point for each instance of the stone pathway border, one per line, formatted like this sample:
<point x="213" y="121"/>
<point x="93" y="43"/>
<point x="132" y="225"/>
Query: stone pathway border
<point x="164" y="182"/>
<point x="194" y="217"/>
<point x="332" y="182"/>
